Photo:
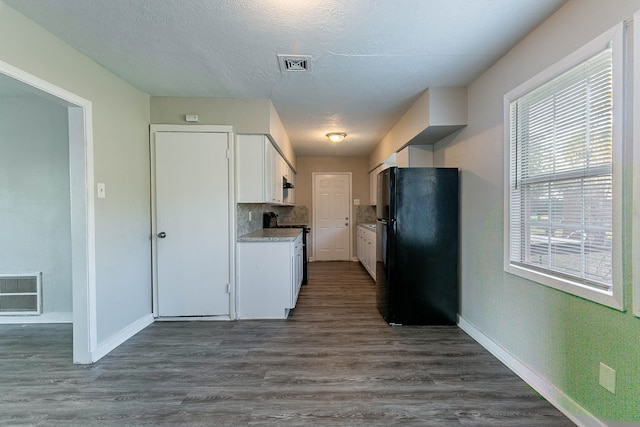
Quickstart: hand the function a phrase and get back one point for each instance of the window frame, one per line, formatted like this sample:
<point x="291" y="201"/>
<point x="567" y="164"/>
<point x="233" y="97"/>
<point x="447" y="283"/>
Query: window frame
<point x="614" y="297"/>
<point x="635" y="183"/>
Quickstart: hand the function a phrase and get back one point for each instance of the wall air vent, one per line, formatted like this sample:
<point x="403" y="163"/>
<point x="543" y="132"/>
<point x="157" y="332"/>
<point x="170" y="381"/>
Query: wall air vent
<point x="20" y="294"/>
<point x="294" y="63"/>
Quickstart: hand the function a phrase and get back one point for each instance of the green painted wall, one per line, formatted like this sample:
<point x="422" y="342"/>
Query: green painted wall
<point x="561" y="337"/>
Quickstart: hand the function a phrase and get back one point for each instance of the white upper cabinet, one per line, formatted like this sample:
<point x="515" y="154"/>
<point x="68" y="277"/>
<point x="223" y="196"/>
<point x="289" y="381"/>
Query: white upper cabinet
<point x="373" y="177"/>
<point x="373" y="184"/>
<point x="289" y="194"/>
<point x="273" y="176"/>
<point x="260" y="170"/>
<point x="250" y="168"/>
<point x="415" y="156"/>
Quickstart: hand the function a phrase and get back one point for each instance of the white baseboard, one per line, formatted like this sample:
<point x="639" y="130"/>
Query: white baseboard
<point x="42" y="318"/>
<point x="554" y="395"/>
<point x="120" y="337"/>
<point x="193" y="319"/>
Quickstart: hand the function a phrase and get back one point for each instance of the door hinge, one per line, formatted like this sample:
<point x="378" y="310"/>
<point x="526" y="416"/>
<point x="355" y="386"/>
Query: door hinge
<point x="228" y="288"/>
<point x="228" y="154"/>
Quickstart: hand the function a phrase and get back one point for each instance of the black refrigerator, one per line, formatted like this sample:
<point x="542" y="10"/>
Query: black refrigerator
<point x="417" y="246"/>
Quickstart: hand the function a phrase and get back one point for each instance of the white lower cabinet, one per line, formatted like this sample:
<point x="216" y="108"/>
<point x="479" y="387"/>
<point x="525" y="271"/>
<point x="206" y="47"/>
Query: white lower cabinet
<point x="269" y="278"/>
<point x="366" y="249"/>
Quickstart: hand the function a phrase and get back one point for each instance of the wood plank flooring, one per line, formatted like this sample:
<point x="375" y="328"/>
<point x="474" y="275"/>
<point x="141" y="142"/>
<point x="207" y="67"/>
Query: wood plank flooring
<point x="334" y="362"/>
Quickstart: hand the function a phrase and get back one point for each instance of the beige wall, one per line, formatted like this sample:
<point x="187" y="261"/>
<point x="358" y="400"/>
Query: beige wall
<point x="358" y="166"/>
<point x="438" y="112"/>
<point x="247" y="116"/>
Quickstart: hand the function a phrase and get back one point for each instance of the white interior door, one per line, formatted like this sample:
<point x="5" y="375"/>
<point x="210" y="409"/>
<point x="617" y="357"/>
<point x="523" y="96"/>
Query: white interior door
<point x="192" y="223"/>
<point x="331" y="213"/>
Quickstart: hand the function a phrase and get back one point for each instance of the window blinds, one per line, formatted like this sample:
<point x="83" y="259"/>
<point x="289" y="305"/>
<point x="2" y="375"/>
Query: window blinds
<point x="561" y="209"/>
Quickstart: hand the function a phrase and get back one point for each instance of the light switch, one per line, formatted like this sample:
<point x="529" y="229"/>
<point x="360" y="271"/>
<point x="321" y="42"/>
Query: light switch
<point x="102" y="191"/>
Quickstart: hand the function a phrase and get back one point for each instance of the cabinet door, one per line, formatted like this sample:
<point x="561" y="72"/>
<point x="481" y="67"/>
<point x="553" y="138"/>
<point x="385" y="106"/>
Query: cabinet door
<point x="297" y="270"/>
<point x="373" y="184"/>
<point x="290" y="193"/>
<point x="371" y="253"/>
<point x="265" y="277"/>
<point x="276" y="177"/>
<point x="267" y="181"/>
<point x="273" y="174"/>
<point x="250" y="168"/>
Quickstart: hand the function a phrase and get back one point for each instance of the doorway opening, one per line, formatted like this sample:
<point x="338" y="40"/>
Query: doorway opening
<point x="79" y="183"/>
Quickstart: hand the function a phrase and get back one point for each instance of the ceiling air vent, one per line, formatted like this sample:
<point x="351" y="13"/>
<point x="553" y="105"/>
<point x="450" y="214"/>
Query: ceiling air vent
<point x="294" y="63"/>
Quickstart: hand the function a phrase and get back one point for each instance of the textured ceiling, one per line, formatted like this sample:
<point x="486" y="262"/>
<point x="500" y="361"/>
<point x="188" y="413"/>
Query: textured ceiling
<point x="370" y="58"/>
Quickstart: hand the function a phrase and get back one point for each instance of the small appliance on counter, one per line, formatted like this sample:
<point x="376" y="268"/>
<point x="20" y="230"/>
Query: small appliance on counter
<point x="269" y="220"/>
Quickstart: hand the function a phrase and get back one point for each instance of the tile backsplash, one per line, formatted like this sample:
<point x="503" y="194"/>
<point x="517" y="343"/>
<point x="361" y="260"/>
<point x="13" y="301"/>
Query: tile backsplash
<point x="286" y="215"/>
<point x="298" y="215"/>
<point x="365" y="214"/>
<point x="243" y="225"/>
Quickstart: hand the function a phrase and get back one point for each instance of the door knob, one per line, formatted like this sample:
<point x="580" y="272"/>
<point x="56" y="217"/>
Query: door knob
<point x="162" y="235"/>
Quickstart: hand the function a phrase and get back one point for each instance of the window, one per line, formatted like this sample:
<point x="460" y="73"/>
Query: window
<point x="563" y="207"/>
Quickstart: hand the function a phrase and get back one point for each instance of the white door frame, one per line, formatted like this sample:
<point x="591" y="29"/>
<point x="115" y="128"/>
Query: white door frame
<point x="232" y="207"/>
<point x="83" y="237"/>
<point x="313" y="201"/>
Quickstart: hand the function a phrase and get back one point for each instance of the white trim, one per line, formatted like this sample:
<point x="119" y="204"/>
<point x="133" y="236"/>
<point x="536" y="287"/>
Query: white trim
<point x="549" y="391"/>
<point x="232" y="209"/>
<point x="615" y="298"/>
<point x="313" y="199"/>
<point x="635" y="183"/>
<point x="83" y="239"/>
<point x="43" y="318"/>
<point x="194" y="319"/>
<point x="121" y="336"/>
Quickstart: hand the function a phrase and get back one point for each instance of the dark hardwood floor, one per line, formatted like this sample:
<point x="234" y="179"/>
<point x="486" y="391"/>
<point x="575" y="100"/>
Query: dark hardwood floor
<point x="334" y="362"/>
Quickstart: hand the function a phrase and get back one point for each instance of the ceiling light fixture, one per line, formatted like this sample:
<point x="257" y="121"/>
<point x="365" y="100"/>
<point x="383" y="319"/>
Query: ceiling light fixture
<point x="336" y="137"/>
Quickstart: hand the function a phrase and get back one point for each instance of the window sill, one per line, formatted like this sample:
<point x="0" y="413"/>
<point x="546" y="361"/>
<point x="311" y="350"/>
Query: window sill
<point x="609" y="299"/>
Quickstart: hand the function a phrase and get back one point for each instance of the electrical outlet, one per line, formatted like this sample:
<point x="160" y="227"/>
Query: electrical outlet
<point x="356" y="201"/>
<point x="608" y="378"/>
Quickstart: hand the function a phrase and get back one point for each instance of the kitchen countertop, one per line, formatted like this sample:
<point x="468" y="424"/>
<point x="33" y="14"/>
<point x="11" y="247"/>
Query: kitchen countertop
<point x="272" y="235"/>
<point x="371" y="227"/>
